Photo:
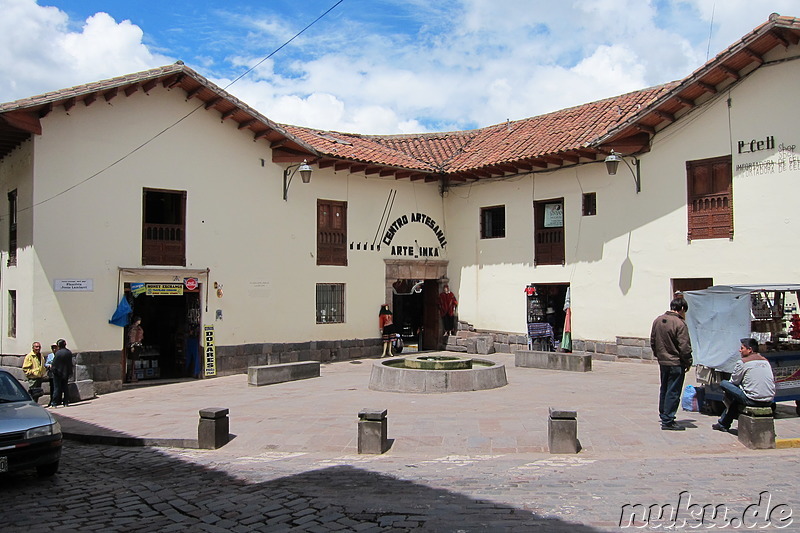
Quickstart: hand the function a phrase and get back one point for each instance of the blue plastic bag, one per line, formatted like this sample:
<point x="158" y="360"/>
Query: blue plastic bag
<point x="689" y="398"/>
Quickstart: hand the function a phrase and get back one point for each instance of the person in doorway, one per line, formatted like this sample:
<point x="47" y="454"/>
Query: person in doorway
<point x="752" y="384"/>
<point x="447" y="309"/>
<point x="385" y="323"/>
<point x="669" y="339"/>
<point x="135" y="338"/>
<point x="62" y="371"/>
<point x="34" y="369"/>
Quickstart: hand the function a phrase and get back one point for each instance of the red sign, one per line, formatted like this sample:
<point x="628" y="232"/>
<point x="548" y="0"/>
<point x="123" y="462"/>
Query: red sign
<point x="190" y="283"/>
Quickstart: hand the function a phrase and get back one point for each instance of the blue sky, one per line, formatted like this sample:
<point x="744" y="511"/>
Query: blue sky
<point x="381" y="66"/>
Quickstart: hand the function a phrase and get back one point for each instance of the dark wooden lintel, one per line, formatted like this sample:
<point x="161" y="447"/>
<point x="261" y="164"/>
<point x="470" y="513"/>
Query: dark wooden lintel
<point x="110" y="94"/>
<point x="372" y="170"/>
<point x="386" y="172"/>
<point x="278" y="143"/>
<point x="194" y="92"/>
<point x="21" y="120"/>
<point x="645" y="128"/>
<point x="341" y="166"/>
<point x="247" y="123"/>
<point x="69" y="103"/>
<point x="261" y="134"/>
<point x="357" y="168"/>
<point x="685" y="101"/>
<point x="130" y="89"/>
<point x="89" y="99"/>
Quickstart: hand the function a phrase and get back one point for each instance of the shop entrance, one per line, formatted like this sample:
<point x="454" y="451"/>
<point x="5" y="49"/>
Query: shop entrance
<point x="171" y="325"/>
<point x="416" y="316"/>
<point x="546" y="314"/>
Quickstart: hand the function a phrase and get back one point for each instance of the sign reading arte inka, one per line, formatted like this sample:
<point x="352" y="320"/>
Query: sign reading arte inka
<point x="210" y="354"/>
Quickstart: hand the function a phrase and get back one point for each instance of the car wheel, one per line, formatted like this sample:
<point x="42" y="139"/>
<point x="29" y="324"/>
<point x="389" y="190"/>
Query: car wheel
<point x="47" y="470"/>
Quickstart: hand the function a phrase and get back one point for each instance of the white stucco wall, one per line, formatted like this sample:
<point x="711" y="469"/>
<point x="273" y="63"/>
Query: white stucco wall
<point x="261" y="249"/>
<point x="620" y="262"/>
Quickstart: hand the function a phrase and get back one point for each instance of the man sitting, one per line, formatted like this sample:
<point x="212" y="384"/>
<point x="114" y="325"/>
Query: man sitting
<point x="751" y="384"/>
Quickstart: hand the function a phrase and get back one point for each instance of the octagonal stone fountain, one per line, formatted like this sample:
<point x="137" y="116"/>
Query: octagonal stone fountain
<point x="435" y="373"/>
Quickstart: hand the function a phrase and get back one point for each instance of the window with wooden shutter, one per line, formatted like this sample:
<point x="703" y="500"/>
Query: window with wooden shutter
<point x="331" y="232"/>
<point x="710" y="198"/>
<point x="548" y="245"/>
<point x="164" y="227"/>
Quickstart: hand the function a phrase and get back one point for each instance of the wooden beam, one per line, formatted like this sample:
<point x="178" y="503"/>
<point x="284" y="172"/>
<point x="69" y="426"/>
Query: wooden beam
<point x="172" y="81"/>
<point x="707" y="87"/>
<point x="247" y="123"/>
<point x="758" y="59"/>
<point x="733" y="73"/>
<point x="214" y="101"/>
<point x="645" y="128"/>
<point x="149" y="85"/>
<point x="552" y="160"/>
<point x="460" y="177"/>
<point x="261" y="134"/>
<point x="778" y="36"/>
<point x="372" y="170"/>
<point x="481" y="172"/>
<point x="194" y="92"/>
<point x="229" y="114"/>
<point x="278" y="143"/>
<point x="341" y="166"/>
<point x="685" y="101"/>
<point x="110" y="94"/>
<point x="566" y="156"/>
<point x="21" y="120"/>
<point x="69" y="103"/>
<point x="283" y="157"/>
<point x="326" y="163"/>
<point x="386" y="172"/>
<point x="523" y="166"/>
<point x="669" y="117"/>
<point x="357" y="168"/>
<point x="416" y="176"/>
<point x="538" y="163"/>
<point x="400" y="174"/>
<point x="89" y="99"/>
<point x="45" y="110"/>
<point x="506" y="167"/>
<point x="130" y="89"/>
<point x="586" y="154"/>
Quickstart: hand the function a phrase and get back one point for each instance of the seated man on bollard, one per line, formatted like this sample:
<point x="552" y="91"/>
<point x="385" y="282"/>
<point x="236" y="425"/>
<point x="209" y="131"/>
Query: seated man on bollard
<point x="752" y="384"/>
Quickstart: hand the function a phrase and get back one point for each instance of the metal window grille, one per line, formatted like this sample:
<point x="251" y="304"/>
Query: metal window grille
<point x="330" y="303"/>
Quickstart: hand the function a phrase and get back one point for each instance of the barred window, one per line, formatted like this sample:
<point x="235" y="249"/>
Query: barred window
<point x="12" y="314"/>
<point x="493" y="222"/>
<point x="330" y="303"/>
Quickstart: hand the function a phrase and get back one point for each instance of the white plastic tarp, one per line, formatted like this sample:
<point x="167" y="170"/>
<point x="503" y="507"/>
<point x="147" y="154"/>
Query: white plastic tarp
<point x="718" y="318"/>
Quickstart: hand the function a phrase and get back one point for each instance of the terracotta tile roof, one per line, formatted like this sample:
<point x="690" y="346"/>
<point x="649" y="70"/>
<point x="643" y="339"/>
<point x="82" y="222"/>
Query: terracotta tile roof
<point x="583" y="133"/>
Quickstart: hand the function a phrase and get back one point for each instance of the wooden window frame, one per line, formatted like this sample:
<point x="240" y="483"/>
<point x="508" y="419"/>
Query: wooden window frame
<point x="548" y="242"/>
<point x="492" y="226"/>
<point x="12" y="314"/>
<point x="331" y="232"/>
<point x="12" y="228"/>
<point x="710" y="209"/>
<point x="164" y="244"/>
<point x="589" y="204"/>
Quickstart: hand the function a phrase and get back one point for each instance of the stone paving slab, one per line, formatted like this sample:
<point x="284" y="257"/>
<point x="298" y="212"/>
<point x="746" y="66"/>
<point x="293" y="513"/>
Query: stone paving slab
<point x="616" y="405"/>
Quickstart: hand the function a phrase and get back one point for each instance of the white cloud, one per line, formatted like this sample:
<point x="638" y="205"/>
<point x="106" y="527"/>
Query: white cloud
<point x="402" y="65"/>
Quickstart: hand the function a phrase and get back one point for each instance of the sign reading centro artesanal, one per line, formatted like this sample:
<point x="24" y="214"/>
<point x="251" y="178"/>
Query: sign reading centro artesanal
<point x="421" y="218"/>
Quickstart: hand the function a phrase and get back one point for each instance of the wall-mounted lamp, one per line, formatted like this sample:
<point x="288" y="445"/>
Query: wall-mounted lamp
<point x="612" y="162"/>
<point x="288" y="174"/>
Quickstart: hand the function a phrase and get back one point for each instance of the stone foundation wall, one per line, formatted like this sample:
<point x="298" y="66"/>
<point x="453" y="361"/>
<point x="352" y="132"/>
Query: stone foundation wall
<point x="105" y="368"/>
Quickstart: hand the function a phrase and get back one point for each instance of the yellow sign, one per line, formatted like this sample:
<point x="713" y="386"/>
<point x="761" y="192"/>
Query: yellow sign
<point x="165" y="289"/>
<point x="210" y="350"/>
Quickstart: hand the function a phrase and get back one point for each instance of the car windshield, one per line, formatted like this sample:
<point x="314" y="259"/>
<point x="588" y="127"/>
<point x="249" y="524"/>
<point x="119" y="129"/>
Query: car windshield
<point x="11" y="390"/>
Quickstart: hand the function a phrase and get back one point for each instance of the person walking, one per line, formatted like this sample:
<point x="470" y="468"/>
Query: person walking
<point x="669" y="339"/>
<point x="62" y="371"/>
<point x="752" y="383"/>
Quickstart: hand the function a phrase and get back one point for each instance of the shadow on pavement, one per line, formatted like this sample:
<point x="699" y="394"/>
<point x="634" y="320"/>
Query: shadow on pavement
<point x="143" y="489"/>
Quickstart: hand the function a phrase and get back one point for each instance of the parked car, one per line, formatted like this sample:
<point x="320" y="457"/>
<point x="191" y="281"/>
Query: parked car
<point x="29" y="435"/>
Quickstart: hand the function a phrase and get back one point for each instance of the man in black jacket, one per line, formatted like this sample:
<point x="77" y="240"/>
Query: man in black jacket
<point x="62" y="370"/>
<point x="669" y="339"/>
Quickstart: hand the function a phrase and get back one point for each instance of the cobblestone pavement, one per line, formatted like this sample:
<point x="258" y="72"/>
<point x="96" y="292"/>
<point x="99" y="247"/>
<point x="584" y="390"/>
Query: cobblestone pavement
<point x="108" y="488"/>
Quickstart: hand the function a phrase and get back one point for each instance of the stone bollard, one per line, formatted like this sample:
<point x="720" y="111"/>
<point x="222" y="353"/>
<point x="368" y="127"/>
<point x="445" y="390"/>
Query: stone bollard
<point x="757" y="428"/>
<point x="562" y="431"/>
<point x="213" y="429"/>
<point x="372" y="431"/>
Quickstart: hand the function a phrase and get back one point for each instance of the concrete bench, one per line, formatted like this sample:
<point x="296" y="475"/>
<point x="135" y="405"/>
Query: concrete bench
<point x="573" y="362"/>
<point x="279" y="373"/>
